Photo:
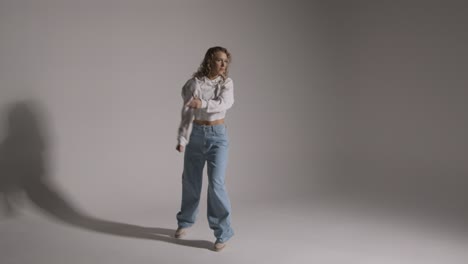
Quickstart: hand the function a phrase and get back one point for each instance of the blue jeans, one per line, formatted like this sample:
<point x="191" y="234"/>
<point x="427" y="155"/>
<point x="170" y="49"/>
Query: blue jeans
<point x="207" y="144"/>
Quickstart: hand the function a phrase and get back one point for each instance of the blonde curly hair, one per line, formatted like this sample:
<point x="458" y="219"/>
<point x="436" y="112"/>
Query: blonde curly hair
<point x="205" y="67"/>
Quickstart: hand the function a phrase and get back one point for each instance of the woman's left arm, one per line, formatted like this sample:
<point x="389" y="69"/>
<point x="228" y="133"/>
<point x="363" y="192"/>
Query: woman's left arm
<point x="223" y="102"/>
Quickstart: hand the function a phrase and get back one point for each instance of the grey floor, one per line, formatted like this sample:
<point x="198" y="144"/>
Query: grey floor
<point x="289" y="231"/>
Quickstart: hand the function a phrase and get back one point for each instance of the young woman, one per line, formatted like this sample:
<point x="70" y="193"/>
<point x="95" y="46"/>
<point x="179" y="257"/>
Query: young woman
<point x="202" y="134"/>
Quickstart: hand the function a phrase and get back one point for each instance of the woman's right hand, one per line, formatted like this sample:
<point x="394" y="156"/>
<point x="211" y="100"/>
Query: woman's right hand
<point x="194" y="102"/>
<point x="180" y="148"/>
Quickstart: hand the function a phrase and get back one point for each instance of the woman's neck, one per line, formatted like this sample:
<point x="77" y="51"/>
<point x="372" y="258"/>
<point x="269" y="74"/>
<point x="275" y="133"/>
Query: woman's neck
<point x="212" y="77"/>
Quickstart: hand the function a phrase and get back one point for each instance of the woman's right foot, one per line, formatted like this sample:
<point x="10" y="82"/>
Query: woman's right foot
<point x="218" y="246"/>
<point x="180" y="232"/>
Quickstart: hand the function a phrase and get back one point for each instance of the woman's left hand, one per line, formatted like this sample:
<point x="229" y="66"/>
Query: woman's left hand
<point x="195" y="103"/>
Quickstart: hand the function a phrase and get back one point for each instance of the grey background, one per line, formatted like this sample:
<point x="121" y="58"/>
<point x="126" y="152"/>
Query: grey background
<point x="356" y="102"/>
<point x="109" y="76"/>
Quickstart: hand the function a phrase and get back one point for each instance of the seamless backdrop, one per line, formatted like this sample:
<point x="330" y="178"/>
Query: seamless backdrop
<point x="359" y="101"/>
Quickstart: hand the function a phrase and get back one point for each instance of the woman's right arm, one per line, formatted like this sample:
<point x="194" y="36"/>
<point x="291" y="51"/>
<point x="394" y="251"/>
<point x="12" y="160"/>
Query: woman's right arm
<point x="187" y="114"/>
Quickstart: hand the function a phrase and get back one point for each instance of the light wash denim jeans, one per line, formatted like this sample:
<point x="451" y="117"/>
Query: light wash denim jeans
<point x="207" y="144"/>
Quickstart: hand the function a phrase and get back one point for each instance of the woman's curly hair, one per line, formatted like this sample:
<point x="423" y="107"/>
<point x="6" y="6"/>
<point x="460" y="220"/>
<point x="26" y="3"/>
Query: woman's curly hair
<point x="205" y="67"/>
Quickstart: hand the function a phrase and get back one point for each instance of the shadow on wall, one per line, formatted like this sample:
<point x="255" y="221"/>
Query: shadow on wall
<point x="430" y="191"/>
<point x="408" y="166"/>
<point x="23" y="169"/>
<point x="402" y="113"/>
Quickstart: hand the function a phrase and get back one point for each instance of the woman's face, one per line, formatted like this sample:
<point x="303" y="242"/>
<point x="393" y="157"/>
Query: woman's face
<point x="219" y="64"/>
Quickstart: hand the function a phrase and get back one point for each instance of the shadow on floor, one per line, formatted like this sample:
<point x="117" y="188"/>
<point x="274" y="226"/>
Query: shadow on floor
<point x="23" y="169"/>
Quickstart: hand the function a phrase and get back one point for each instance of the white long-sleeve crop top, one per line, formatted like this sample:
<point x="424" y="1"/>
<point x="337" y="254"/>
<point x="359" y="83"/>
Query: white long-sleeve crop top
<point x="216" y="96"/>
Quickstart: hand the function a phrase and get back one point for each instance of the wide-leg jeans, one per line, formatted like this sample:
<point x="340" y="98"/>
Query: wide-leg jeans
<point x="207" y="144"/>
